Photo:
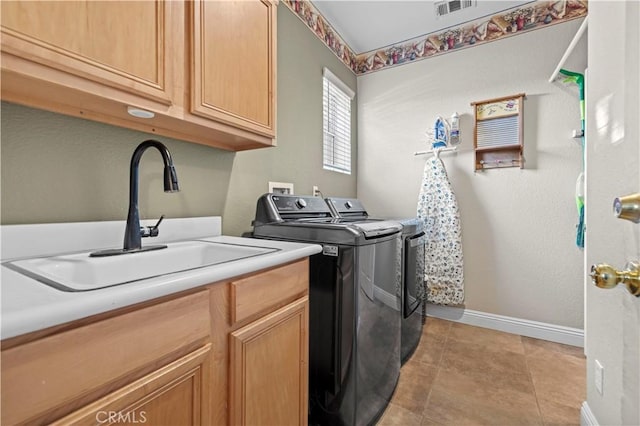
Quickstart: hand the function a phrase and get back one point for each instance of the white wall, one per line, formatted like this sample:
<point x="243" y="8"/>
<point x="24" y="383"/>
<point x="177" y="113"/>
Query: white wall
<point x="518" y="225"/>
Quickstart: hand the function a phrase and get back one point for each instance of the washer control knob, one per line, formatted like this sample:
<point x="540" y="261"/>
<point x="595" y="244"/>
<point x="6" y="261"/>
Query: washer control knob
<point x="348" y="205"/>
<point x="301" y="203"/>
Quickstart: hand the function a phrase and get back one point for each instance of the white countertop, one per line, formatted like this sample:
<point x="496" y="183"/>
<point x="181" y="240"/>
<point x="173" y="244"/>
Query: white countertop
<point x="29" y="305"/>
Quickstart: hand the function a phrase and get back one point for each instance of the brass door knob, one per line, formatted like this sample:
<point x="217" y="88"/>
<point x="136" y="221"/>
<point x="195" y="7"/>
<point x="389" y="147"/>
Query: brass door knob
<point x="627" y="207"/>
<point x="606" y="276"/>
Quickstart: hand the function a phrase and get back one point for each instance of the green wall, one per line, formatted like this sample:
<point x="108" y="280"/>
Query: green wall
<point x="298" y="156"/>
<point x="56" y="168"/>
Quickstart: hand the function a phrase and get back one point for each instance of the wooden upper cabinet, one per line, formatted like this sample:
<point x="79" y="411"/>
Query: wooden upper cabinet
<point x="204" y="69"/>
<point x="233" y="62"/>
<point x="118" y="44"/>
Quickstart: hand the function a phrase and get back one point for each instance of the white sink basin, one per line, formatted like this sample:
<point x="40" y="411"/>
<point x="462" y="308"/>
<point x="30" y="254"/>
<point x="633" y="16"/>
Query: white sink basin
<point x="79" y="272"/>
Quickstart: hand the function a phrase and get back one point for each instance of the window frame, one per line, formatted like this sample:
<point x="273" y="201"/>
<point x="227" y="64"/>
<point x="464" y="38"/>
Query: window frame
<point x="336" y="93"/>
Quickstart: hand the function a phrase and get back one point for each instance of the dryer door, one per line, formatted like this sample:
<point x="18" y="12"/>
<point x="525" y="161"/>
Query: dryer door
<point x="413" y="273"/>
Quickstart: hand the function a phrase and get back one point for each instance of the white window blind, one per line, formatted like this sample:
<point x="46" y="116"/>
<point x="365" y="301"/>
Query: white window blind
<point x="336" y="118"/>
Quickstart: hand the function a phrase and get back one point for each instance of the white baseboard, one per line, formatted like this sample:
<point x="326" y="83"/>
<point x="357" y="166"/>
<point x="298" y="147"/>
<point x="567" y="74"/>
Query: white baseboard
<point x="586" y="416"/>
<point x="535" y="329"/>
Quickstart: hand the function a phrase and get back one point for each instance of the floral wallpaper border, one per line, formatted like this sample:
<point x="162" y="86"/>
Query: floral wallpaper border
<point x="535" y="15"/>
<point x="317" y="23"/>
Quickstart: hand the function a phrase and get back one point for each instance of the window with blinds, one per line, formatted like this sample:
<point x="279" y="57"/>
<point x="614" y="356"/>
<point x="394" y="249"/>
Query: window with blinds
<point x="336" y="119"/>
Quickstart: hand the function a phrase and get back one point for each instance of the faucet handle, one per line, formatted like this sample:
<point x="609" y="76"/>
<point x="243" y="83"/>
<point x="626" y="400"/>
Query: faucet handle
<point x="151" y="231"/>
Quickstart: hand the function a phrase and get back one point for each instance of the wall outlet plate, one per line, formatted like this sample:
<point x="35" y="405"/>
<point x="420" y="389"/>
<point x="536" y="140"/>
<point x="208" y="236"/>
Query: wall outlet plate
<point x="598" y="376"/>
<point x="282" y="188"/>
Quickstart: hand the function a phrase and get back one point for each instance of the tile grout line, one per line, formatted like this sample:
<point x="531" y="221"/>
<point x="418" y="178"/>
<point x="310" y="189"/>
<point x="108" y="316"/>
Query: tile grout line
<point x="438" y="369"/>
<point x="533" y="385"/>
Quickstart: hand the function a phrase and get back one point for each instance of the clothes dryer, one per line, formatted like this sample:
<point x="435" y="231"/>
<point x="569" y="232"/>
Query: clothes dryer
<point x="410" y="266"/>
<point x="355" y="311"/>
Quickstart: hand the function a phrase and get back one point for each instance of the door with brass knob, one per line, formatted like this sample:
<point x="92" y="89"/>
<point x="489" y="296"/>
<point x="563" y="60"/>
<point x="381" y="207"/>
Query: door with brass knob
<point x="612" y="238"/>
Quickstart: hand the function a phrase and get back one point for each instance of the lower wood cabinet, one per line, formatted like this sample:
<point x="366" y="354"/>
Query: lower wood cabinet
<point x="51" y="376"/>
<point x="268" y="377"/>
<point x="232" y="352"/>
<point x="177" y="394"/>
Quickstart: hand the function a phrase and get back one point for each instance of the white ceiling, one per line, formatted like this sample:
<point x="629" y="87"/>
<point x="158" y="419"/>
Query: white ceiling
<point x="367" y="25"/>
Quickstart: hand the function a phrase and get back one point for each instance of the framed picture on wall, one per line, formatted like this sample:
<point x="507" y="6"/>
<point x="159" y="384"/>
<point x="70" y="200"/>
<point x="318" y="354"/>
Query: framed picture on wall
<point x="283" y="188"/>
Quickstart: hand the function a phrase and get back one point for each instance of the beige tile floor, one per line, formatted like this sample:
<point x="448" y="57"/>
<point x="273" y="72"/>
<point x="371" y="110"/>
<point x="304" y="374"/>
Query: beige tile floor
<point x="465" y="375"/>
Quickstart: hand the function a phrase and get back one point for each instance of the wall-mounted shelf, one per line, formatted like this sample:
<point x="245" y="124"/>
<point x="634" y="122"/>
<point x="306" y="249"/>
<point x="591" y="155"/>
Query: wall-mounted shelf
<point x="572" y="45"/>
<point x="498" y="148"/>
<point x="498" y="132"/>
<point x="437" y="151"/>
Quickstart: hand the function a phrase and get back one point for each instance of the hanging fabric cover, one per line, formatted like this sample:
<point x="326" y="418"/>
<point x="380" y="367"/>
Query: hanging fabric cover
<point x="438" y="210"/>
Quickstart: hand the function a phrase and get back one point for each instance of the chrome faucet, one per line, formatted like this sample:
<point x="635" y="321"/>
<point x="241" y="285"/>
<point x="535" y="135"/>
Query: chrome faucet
<point x="134" y="232"/>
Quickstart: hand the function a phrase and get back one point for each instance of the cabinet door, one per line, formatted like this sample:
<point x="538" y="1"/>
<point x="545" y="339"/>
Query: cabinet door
<point x="121" y="44"/>
<point x="50" y="377"/>
<point x="233" y="65"/>
<point x="269" y="369"/>
<point x="177" y="394"/>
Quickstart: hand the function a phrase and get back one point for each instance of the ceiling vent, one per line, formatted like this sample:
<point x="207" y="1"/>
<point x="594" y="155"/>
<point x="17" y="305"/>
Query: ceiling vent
<point x="446" y="7"/>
